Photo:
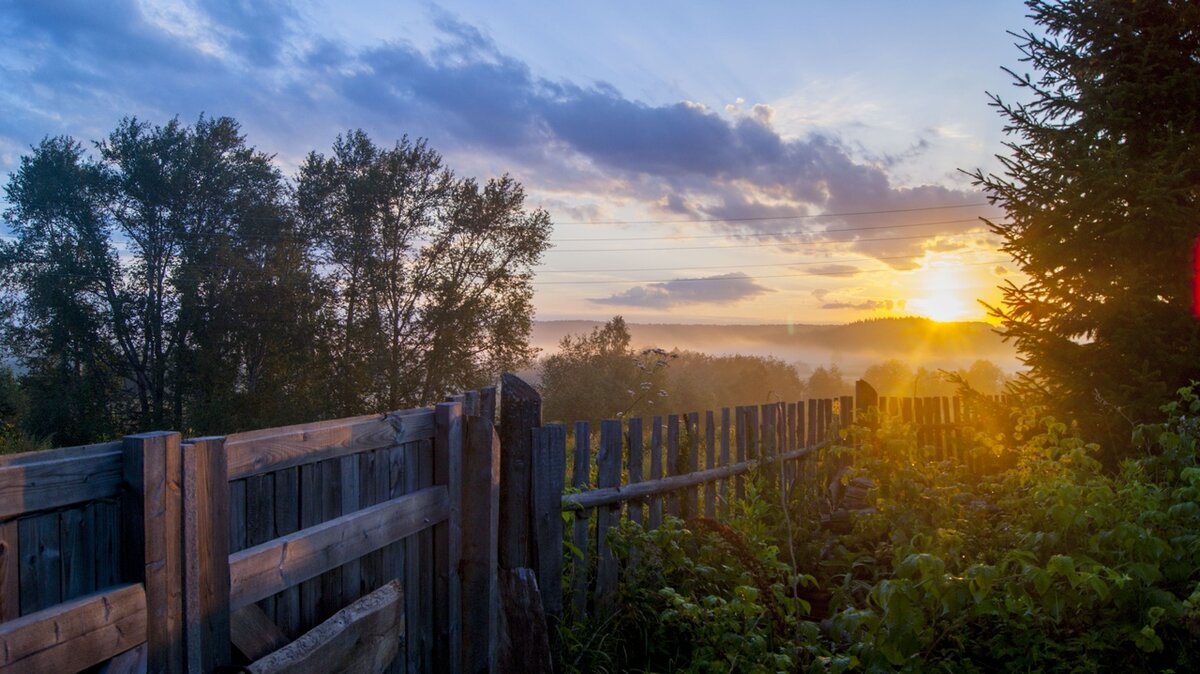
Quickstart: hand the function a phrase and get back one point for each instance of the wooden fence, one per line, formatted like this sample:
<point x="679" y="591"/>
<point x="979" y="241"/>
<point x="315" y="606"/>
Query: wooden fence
<point x="164" y="555"/>
<point x="690" y="465"/>
<point x="161" y="554"/>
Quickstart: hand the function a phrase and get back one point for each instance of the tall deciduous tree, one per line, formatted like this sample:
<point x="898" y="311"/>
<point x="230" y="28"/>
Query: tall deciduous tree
<point x="124" y="265"/>
<point x="1101" y="187"/>
<point x="432" y="273"/>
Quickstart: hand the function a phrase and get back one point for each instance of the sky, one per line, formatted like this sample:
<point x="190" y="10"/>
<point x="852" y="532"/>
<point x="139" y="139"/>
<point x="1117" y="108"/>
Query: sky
<point x="714" y="162"/>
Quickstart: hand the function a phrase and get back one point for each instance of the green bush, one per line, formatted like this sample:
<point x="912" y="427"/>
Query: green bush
<point x="1046" y="562"/>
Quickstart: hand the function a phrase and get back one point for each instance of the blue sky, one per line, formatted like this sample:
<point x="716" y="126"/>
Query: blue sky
<point x="690" y="122"/>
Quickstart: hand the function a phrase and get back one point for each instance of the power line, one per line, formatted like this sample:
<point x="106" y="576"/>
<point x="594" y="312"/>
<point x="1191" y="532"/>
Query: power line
<point x="737" y="266"/>
<point x="775" y="217"/>
<point x="748" y="278"/>
<point x="780" y="233"/>
<point x="745" y="245"/>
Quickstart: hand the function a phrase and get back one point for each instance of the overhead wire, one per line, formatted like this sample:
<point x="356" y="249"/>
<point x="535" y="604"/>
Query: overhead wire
<point x="764" y="218"/>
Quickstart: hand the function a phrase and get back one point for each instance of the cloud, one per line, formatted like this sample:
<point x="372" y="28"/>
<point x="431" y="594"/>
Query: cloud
<point x="76" y="67"/>
<point x="865" y="305"/>
<point x="720" y="289"/>
<point x="833" y="270"/>
<point x="1000" y="270"/>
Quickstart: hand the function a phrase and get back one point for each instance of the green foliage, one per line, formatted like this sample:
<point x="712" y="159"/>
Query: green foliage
<point x="172" y="279"/>
<point x="431" y="273"/>
<point x="1043" y="561"/>
<point x="1099" y="191"/>
<point x="14" y="407"/>
<point x="702" y="597"/>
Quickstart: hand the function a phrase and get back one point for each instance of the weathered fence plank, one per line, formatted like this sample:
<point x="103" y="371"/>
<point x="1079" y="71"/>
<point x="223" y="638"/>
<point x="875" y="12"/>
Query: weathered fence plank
<point x="636" y="458"/>
<point x="152" y="520"/>
<point x="206" y="549"/>
<point x="266" y="569"/>
<point x="579" y="537"/>
<point x="710" y="462"/>
<point x="673" y="467"/>
<point x="656" y="469"/>
<point x="549" y="474"/>
<point x="76" y="634"/>
<point x="608" y="464"/>
<point x="520" y="411"/>
<point x="447" y="538"/>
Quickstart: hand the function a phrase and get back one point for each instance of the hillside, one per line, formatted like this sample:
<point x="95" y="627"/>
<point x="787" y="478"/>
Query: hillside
<point x="853" y="346"/>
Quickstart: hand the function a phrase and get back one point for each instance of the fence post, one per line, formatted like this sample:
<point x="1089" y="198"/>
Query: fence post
<point x="206" y="550"/>
<point x="520" y="413"/>
<point x="150" y="528"/>
<point x="447" y="538"/>
<point x="865" y="397"/>
<point x="480" y="518"/>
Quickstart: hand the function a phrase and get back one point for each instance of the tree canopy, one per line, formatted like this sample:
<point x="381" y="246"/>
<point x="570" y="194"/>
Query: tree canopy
<point x="1101" y="189"/>
<point x="173" y="278"/>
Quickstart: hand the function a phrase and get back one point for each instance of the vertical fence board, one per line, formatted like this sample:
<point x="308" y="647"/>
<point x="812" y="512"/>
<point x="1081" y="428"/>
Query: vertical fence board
<point x="151" y="520"/>
<point x="656" y="469"/>
<point x="813" y="424"/>
<point x="520" y="411"/>
<point x="480" y="524"/>
<point x="41" y="562"/>
<point x="636" y="457"/>
<point x="206" y="544"/>
<point x="10" y="572"/>
<point x="673" y="466"/>
<point x="78" y="551"/>
<point x="310" y="515"/>
<point x="237" y="515"/>
<point x="331" y="507"/>
<point x="260" y="521"/>
<point x="425" y="566"/>
<point x="447" y="539"/>
<point x="691" y="495"/>
<point x="739" y="420"/>
<point x="725" y="459"/>
<point x="107" y="519"/>
<point x="608" y="462"/>
<point x="287" y="520"/>
<point x="710" y="461"/>
<point x="550" y="471"/>
<point x="351" y="496"/>
<point x="579" y="537"/>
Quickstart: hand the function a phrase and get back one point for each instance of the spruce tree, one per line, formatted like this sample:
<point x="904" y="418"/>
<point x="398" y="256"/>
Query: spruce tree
<point x="1101" y="189"/>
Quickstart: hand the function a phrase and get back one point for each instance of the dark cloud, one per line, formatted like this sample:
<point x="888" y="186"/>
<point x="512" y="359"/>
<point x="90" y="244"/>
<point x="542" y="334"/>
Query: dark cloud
<point x="865" y="305"/>
<point x="721" y="289"/>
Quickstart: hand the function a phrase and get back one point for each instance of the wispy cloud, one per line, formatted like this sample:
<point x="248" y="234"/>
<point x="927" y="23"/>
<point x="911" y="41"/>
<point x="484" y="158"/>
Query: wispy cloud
<point x="720" y="289"/>
<point x="865" y="305"/>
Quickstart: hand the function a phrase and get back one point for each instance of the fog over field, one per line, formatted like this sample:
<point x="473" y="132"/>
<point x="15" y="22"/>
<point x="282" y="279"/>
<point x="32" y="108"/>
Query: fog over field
<point x="853" y="347"/>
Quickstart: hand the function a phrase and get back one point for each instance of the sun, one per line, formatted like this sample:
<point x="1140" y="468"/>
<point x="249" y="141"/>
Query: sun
<point x="940" y="296"/>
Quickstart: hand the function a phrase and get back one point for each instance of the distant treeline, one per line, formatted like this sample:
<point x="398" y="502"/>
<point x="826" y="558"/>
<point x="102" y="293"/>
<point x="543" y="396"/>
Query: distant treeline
<point x="172" y="278"/>
<point x="600" y="375"/>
